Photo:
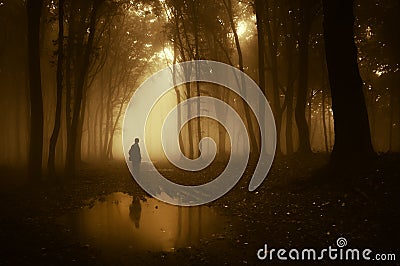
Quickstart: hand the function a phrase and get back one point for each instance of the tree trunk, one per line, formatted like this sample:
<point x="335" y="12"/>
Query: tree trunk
<point x="79" y="94"/>
<point x="252" y="136"/>
<point x="290" y="46"/>
<point x="329" y="129"/>
<point x="189" y="123"/>
<point x="89" y="134"/>
<point x="101" y="129"/>
<point x="114" y="128"/>
<point x="187" y="72"/>
<point x="221" y="142"/>
<point x="289" y="119"/>
<point x="107" y="124"/>
<point x="301" y="100"/>
<point x="352" y="131"/>
<point x="57" y="121"/>
<point x="78" y="150"/>
<point x="34" y="8"/>
<point x="259" y="6"/>
<point x="197" y="57"/>
<point x="323" y="110"/>
<point x="178" y="101"/>
<point x="277" y="108"/>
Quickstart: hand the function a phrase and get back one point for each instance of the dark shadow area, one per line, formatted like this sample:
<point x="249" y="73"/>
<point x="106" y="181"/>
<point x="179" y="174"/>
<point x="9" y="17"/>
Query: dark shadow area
<point x="103" y="216"/>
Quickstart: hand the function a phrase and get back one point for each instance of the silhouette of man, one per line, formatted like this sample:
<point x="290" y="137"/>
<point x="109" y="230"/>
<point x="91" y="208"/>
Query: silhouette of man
<point x="135" y="157"/>
<point x="135" y="210"/>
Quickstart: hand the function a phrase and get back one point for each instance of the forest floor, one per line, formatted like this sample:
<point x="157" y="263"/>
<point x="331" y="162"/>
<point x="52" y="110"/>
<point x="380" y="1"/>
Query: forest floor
<point x="300" y="205"/>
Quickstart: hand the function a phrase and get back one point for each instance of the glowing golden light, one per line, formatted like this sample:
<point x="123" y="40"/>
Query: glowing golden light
<point x="382" y="69"/>
<point x="241" y="28"/>
<point x="167" y="53"/>
<point x="368" y="32"/>
<point x="154" y="123"/>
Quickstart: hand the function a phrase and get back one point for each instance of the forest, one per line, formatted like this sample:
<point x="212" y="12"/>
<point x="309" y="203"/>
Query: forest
<point x="69" y="70"/>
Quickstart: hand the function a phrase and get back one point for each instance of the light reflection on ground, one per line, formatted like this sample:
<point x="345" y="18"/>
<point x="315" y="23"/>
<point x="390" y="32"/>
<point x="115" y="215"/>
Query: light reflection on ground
<point x="120" y="221"/>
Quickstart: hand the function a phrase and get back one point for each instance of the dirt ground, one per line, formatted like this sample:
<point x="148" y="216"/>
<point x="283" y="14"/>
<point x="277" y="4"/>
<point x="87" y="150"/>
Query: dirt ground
<point x="302" y="204"/>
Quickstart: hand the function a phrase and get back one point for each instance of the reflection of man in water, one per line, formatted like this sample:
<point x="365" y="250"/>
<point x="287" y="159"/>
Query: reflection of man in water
<point x="135" y="157"/>
<point x="135" y="210"/>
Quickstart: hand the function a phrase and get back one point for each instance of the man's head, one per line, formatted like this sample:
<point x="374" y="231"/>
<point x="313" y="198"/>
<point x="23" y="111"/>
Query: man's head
<point x="136" y="140"/>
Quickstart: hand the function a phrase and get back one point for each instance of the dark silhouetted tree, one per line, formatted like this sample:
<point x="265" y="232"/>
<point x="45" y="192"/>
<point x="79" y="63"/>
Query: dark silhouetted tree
<point x="301" y="100"/>
<point x="352" y="132"/>
<point x="75" y="113"/>
<point x="229" y="10"/>
<point x="259" y="7"/>
<point x="57" y="120"/>
<point x="34" y="8"/>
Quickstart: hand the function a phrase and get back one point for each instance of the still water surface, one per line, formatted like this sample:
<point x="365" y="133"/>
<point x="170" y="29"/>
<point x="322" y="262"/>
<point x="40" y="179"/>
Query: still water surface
<point x="120" y="221"/>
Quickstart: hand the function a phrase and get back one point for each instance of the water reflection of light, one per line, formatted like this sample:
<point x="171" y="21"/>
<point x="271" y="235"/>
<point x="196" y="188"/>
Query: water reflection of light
<point x="120" y="221"/>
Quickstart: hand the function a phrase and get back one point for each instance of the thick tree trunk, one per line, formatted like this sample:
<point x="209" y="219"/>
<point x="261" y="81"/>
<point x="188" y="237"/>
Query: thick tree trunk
<point x="34" y="8"/>
<point x="352" y="131"/>
<point x="301" y="100"/>
<point x="57" y="121"/>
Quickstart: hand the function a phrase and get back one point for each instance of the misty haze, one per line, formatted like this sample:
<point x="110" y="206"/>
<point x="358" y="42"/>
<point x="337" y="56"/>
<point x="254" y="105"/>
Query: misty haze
<point x="72" y="107"/>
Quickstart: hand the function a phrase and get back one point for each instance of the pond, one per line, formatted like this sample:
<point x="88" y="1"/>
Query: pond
<point x="121" y="221"/>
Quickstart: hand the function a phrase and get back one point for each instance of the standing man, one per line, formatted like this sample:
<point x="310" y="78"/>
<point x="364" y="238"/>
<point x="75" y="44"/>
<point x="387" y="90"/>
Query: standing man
<point x="135" y="157"/>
